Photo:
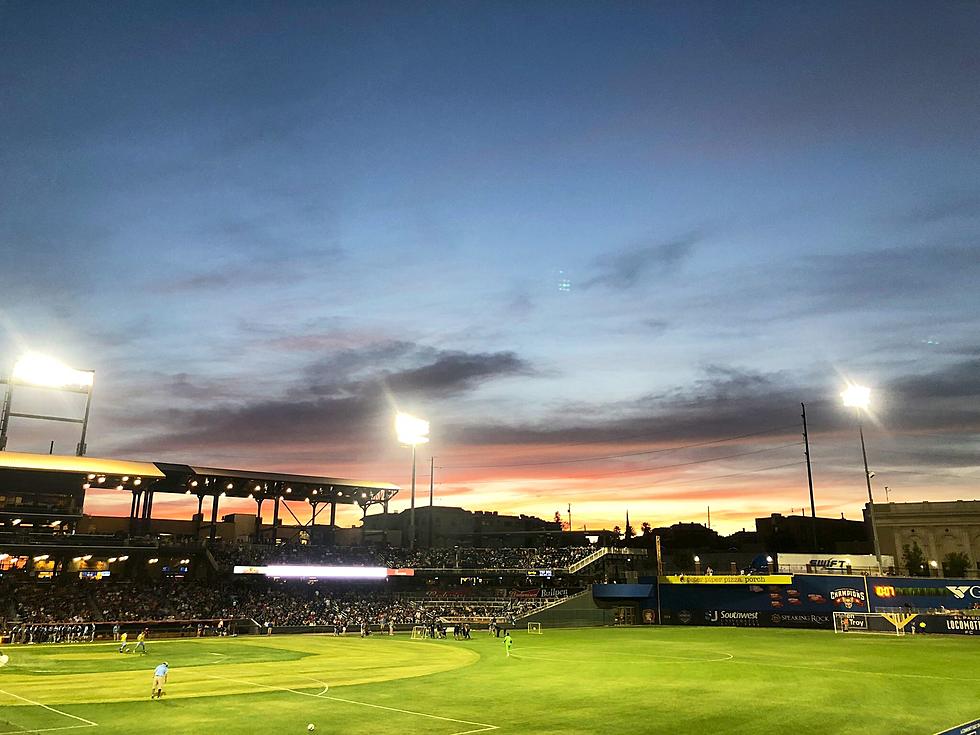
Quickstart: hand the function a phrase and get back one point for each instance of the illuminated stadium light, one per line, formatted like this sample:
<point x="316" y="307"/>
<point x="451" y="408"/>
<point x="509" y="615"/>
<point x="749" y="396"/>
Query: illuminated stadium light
<point x="111" y="560"/>
<point x="258" y="488"/>
<point x="15" y="522"/>
<point x="185" y="561"/>
<point x="77" y="559"/>
<point x="125" y="478"/>
<point x="319" y="572"/>
<point x="137" y="481"/>
<point x="101" y="479"/>
<point x="119" y="487"/>
<point x="42" y="557"/>
<point x="193" y="483"/>
<point x="46" y="372"/>
<point x="87" y="557"/>
<point x="411" y="430"/>
<point x="91" y="477"/>
<point x="856" y="396"/>
<point x="86" y="486"/>
<point x="230" y="486"/>
<point x="154" y="560"/>
<point x="123" y="558"/>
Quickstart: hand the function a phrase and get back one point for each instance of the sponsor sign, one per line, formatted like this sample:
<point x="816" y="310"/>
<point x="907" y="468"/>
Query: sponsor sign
<point x="684" y="616"/>
<point x="967" y="728"/>
<point x="831" y="562"/>
<point x="730" y="579"/>
<point x="964" y="591"/>
<point x="848" y="597"/>
<point x="318" y="572"/>
<point x="732" y="617"/>
<point x="801" y="620"/>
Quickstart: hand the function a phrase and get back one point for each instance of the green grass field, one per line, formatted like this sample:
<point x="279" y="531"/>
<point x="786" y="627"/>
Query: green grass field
<point x="674" y="680"/>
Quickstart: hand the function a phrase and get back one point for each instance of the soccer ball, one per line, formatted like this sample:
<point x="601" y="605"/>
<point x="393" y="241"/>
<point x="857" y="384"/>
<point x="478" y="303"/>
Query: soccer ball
<point x="311" y="727"/>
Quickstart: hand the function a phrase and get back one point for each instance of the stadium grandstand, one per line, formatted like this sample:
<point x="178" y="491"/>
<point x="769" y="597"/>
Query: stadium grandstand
<point x="66" y="575"/>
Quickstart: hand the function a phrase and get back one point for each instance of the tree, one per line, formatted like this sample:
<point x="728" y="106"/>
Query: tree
<point x="915" y="560"/>
<point x="629" y="533"/>
<point x="645" y="528"/>
<point x="618" y="531"/>
<point x="955" y="564"/>
<point x="558" y="520"/>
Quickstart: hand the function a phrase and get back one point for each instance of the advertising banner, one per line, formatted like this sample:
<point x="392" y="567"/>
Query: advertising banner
<point x="807" y="601"/>
<point x="922" y="593"/>
<point x="728" y="579"/>
<point x="967" y="728"/>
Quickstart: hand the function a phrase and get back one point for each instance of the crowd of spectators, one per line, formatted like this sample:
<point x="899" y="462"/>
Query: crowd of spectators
<point x="228" y="555"/>
<point x="267" y="602"/>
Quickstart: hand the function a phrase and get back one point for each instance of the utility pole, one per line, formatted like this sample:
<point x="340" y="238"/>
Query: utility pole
<point x="809" y="479"/>
<point x="709" y="516"/>
<point x="570" y="517"/>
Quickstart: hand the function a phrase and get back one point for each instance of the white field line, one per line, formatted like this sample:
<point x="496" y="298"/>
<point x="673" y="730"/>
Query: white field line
<point x="86" y="723"/>
<point x="45" y="729"/>
<point x="480" y="726"/>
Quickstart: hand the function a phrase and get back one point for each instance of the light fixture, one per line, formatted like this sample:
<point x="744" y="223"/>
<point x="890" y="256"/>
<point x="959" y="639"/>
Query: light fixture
<point x="154" y="560"/>
<point x="119" y="487"/>
<point x="856" y="396"/>
<point x="411" y="430"/>
<point x="91" y="477"/>
<point x="125" y="478"/>
<point x="15" y="522"/>
<point x="101" y="479"/>
<point x="193" y="483"/>
<point x="230" y="486"/>
<point x="42" y="557"/>
<point x="111" y="560"/>
<point x="123" y="558"/>
<point x="46" y="372"/>
<point x="87" y="557"/>
<point x="137" y="481"/>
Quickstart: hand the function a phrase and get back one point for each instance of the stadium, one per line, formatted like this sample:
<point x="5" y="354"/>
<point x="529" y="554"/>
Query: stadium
<point x="281" y="629"/>
<point x="379" y="367"/>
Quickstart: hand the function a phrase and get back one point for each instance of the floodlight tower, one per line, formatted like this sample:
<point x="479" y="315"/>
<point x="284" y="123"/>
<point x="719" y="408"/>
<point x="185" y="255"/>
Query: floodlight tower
<point x="38" y="371"/>
<point x="858" y="397"/>
<point x="411" y="431"/>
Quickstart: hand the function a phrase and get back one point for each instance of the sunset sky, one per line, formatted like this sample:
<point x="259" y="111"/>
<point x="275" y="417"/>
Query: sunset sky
<point x="605" y="248"/>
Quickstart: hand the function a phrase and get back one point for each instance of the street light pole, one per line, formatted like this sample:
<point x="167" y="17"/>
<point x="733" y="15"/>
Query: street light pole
<point x="859" y="397"/>
<point x="411" y="431"/>
<point x="871" y="500"/>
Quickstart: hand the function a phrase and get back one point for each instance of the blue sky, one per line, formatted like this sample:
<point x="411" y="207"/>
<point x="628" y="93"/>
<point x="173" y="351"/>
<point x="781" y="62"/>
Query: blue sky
<point x="266" y="225"/>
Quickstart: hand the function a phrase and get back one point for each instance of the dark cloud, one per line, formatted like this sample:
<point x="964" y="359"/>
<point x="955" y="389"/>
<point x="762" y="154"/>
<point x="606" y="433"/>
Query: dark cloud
<point x="729" y="402"/>
<point x="630" y="267"/>
<point x="341" y="399"/>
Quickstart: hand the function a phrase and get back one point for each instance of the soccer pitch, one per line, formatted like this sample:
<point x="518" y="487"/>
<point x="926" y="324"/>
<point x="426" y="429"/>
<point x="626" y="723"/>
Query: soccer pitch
<point x="674" y="680"/>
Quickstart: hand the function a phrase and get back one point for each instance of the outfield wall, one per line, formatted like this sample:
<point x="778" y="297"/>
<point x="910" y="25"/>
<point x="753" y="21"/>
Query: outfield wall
<point x="790" y="601"/>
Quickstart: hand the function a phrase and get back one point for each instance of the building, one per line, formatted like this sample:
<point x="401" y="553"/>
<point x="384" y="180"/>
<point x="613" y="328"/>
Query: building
<point x="796" y="534"/>
<point x="449" y="526"/>
<point x="939" y="529"/>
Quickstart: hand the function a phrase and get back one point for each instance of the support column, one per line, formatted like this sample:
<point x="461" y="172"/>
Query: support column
<point x="275" y="520"/>
<point x="258" y="519"/>
<point x="333" y="522"/>
<point x="214" y="518"/>
<point x="147" y="511"/>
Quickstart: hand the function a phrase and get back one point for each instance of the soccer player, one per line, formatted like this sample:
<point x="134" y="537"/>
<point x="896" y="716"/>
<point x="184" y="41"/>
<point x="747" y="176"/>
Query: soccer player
<point x="159" y="680"/>
<point x="122" y="643"/>
<point x="141" y="643"/>
<point x="508" y="643"/>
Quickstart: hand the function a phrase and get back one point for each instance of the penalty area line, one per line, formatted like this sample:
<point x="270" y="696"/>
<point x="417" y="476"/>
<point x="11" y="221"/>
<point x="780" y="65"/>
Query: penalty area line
<point x="85" y="723"/>
<point x="480" y="726"/>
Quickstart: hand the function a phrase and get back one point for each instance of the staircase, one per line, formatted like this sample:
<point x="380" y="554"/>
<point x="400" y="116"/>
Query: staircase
<point x="602" y="553"/>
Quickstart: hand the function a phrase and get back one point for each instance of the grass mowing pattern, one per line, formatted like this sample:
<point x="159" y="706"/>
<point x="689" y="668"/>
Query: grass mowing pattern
<point x="670" y="680"/>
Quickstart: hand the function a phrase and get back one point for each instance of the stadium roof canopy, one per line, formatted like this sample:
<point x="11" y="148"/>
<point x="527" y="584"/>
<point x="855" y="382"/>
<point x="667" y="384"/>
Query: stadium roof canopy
<point x="20" y="470"/>
<point x="254" y="485"/>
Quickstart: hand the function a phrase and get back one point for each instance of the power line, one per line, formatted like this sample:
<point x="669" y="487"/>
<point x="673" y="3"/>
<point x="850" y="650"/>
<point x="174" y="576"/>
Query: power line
<point x="622" y="455"/>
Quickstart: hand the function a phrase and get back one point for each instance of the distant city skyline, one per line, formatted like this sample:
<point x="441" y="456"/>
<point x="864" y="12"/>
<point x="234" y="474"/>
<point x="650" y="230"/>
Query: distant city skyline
<point x="605" y="249"/>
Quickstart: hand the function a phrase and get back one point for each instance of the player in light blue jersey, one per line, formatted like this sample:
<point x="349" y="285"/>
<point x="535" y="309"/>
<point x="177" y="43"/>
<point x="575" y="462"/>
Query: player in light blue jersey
<point x="159" y="680"/>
